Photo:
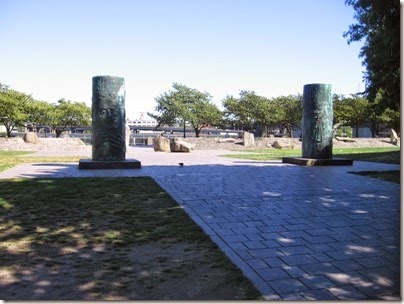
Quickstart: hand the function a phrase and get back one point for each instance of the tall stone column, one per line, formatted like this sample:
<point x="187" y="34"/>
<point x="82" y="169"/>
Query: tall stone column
<point x="108" y="126"/>
<point x="317" y="121"/>
<point x="108" y="113"/>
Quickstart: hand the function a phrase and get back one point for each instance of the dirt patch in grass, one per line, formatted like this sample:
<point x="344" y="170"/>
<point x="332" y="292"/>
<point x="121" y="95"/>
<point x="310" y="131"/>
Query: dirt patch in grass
<point x="107" y="239"/>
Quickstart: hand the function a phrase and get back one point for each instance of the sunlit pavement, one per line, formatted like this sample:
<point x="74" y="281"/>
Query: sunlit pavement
<point x="298" y="233"/>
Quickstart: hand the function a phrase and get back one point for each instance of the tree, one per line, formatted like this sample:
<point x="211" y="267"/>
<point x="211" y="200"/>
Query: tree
<point x="68" y="113"/>
<point x="12" y="108"/>
<point x="38" y="112"/>
<point x="184" y="104"/>
<point x="289" y="111"/>
<point x="357" y="107"/>
<point x="378" y="23"/>
<point x="248" y="111"/>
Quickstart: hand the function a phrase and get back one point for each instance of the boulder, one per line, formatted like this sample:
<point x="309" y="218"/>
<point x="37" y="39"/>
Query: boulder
<point x="31" y="138"/>
<point x="178" y="145"/>
<point x="248" y="139"/>
<point x="161" y="144"/>
<point x="64" y="135"/>
<point x="393" y="137"/>
<point x="276" y="145"/>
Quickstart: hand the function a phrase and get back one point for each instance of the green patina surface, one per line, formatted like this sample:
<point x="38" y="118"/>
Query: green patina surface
<point x="317" y="121"/>
<point x="108" y="113"/>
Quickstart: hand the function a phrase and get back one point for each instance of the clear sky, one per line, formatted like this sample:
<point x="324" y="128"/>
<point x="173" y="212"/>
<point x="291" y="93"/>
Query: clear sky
<point x="52" y="48"/>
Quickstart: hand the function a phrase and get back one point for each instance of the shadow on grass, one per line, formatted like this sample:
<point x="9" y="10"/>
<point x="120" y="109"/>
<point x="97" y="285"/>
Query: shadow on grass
<point x="390" y="157"/>
<point x="82" y="239"/>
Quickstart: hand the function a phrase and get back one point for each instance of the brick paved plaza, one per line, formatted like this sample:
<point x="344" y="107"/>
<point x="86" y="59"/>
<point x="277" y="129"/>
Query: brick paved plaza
<point x="298" y="233"/>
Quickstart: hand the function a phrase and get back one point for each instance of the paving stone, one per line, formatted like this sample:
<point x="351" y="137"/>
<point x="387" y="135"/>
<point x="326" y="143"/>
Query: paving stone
<point x="348" y="293"/>
<point x="270" y="244"/>
<point x="270" y="273"/>
<point x="347" y="265"/>
<point x="254" y="245"/>
<point x="319" y="294"/>
<point x="347" y="278"/>
<point x="293" y="250"/>
<point x="257" y="264"/>
<point x="322" y="257"/>
<point x="286" y="286"/>
<point x="270" y="229"/>
<point x="342" y="254"/>
<point x="317" y="282"/>
<point x="274" y="262"/>
<point x="320" y="239"/>
<point x="295" y="234"/>
<point x="290" y="241"/>
<point x="298" y="259"/>
<point x="321" y="231"/>
<point x="319" y="268"/>
<point x="294" y="271"/>
<point x="246" y="230"/>
<point x="254" y="237"/>
<point x="373" y="262"/>
<point x="234" y="238"/>
<point x="294" y="296"/>
<point x="224" y="232"/>
<point x="265" y="253"/>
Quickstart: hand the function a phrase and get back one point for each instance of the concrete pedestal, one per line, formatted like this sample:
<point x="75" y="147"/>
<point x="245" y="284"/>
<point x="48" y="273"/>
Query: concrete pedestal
<point x="309" y="162"/>
<point x="104" y="164"/>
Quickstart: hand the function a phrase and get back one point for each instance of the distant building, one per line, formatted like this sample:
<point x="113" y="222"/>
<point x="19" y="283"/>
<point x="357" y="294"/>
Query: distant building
<point x="142" y="120"/>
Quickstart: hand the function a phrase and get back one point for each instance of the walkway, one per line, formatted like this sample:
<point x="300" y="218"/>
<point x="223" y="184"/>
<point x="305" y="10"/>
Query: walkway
<point x="299" y="233"/>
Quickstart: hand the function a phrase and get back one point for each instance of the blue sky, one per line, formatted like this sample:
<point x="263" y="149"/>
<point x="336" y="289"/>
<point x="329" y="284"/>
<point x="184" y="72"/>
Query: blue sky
<point x="52" y="48"/>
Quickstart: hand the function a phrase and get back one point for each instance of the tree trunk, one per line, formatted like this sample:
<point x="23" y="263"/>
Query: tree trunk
<point x="58" y="133"/>
<point x="197" y="131"/>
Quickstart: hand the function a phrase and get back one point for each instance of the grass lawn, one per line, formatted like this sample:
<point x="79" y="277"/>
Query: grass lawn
<point x="372" y="154"/>
<point x="9" y="159"/>
<point x="378" y="154"/>
<point x="107" y="239"/>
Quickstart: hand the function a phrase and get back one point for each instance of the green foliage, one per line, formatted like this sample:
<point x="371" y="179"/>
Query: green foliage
<point x="18" y="109"/>
<point x="357" y="111"/>
<point x="68" y="113"/>
<point x="378" y="23"/>
<point x="289" y="111"/>
<point x="247" y="111"/>
<point x="38" y="112"/>
<point x="251" y="110"/>
<point x="12" y="108"/>
<point x="184" y="104"/>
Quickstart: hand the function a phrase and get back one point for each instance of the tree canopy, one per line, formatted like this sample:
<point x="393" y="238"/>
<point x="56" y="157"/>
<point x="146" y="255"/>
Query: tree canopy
<point x="68" y="113"/>
<point x="13" y="108"/>
<point x="20" y="109"/>
<point x="378" y="23"/>
<point x="183" y="104"/>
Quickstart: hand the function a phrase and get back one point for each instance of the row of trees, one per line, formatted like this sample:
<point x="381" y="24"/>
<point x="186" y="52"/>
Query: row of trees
<point x="250" y="111"/>
<point x="20" y="109"/>
<point x="182" y="105"/>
